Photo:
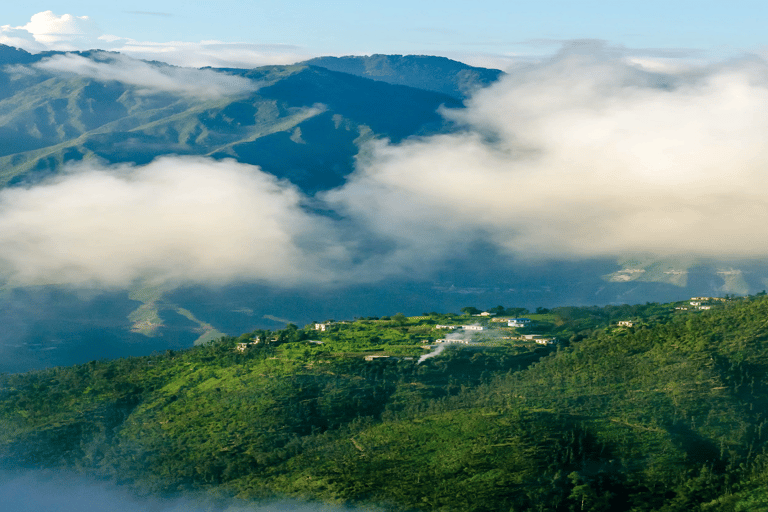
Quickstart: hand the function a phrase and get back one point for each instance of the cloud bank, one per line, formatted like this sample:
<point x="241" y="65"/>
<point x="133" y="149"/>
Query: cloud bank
<point x="176" y="220"/>
<point x="587" y="154"/>
<point x="42" y="490"/>
<point x="150" y="78"/>
<point x="590" y="154"/>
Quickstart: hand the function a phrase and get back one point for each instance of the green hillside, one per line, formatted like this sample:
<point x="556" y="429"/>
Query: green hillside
<point x="303" y="123"/>
<point x="665" y="415"/>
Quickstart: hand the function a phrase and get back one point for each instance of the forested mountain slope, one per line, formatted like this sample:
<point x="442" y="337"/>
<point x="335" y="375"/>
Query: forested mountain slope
<point x="302" y="123"/>
<point x="668" y="414"/>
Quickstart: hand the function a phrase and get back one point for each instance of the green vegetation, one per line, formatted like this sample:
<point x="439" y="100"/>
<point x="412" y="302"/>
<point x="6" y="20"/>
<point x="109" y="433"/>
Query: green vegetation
<point x="300" y="120"/>
<point x="666" y="415"/>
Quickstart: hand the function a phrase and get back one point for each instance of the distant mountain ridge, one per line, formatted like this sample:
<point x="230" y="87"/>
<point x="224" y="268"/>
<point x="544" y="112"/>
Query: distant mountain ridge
<point x="11" y="55"/>
<point x="438" y="74"/>
<point x="48" y="119"/>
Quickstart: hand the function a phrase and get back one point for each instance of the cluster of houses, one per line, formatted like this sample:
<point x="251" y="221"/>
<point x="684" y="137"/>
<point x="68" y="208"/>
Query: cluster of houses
<point x="456" y="341"/>
<point x="242" y="347"/>
<point x="511" y="322"/>
<point x="701" y="303"/>
<point x="695" y="303"/>
<point x="465" y="327"/>
<point x="698" y="303"/>
<point x="516" y="323"/>
<point x="519" y="322"/>
<point x="540" y="339"/>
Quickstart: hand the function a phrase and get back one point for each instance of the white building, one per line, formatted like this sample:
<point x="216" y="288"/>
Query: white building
<point x="242" y="347"/>
<point x="375" y="357"/>
<point x="519" y="322"/>
<point x="472" y="327"/>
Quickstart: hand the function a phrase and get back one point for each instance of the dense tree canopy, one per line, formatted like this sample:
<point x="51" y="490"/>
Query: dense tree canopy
<point x="666" y="415"/>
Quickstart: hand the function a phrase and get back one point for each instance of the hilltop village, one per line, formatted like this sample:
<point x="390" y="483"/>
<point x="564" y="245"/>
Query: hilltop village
<point x="406" y="337"/>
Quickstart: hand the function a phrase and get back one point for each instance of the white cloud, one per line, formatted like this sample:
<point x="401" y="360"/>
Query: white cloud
<point x="583" y="155"/>
<point x="20" y="38"/>
<point x="148" y="77"/>
<point x="215" y="54"/>
<point x="49" y="31"/>
<point x="176" y="220"/>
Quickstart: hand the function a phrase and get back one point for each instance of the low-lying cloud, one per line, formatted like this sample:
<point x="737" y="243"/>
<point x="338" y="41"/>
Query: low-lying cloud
<point x="590" y="154"/>
<point x="149" y="78"/>
<point x="586" y="154"/>
<point x="43" y="490"/>
<point x="174" y="221"/>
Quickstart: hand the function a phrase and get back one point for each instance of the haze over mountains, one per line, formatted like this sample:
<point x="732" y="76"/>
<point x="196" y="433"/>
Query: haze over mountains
<point x="207" y="201"/>
<point x="437" y="74"/>
<point x="304" y="120"/>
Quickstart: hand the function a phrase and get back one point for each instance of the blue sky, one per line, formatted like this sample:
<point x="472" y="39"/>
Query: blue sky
<point x="462" y="30"/>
